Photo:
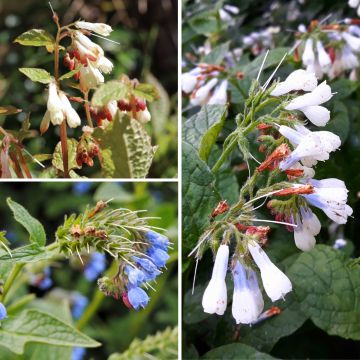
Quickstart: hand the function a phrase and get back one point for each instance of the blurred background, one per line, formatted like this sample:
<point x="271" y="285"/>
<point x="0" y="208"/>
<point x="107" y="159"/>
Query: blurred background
<point x="147" y="32"/>
<point x="69" y="288"/>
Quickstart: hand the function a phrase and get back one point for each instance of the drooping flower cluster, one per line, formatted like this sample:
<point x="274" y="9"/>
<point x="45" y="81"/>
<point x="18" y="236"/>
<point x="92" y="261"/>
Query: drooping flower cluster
<point x="141" y="252"/>
<point x="248" y="303"/>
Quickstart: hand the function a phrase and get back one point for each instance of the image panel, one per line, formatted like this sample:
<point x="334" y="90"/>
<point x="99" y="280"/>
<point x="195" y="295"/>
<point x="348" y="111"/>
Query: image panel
<point x="88" y="89"/>
<point x="88" y="270"/>
<point x="270" y="187"/>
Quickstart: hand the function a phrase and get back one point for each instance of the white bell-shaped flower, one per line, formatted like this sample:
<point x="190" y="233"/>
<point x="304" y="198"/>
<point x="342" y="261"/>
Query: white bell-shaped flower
<point x="88" y="44"/>
<point x="99" y="28"/>
<point x="90" y="77"/>
<point x="202" y="94"/>
<point x="318" y="115"/>
<point x="189" y="80"/>
<point x="144" y="116"/>
<point x="308" y="56"/>
<point x="275" y="282"/>
<point x="104" y="65"/>
<point x="308" y="226"/>
<point x="352" y="41"/>
<point x="348" y="59"/>
<point x="297" y="80"/>
<point x="72" y="117"/>
<point x="323" y="57"/>
<point x="248" y="302"/>
<point x="215" y="296"/>
<point x="54" y="105"/>
<point x="354" y="3"/>
<point x="219" y="96"/>
<point x="330" y="195"/>
<point x="311" y="146"/>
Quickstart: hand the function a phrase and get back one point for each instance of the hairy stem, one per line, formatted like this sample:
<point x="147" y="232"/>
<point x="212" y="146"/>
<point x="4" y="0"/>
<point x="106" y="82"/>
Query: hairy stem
<point x="10" y="280"/>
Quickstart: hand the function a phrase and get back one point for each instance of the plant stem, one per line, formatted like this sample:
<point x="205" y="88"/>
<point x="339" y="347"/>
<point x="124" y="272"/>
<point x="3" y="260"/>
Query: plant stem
<point x="87" y="108"/>
<point x="10" y="280"/>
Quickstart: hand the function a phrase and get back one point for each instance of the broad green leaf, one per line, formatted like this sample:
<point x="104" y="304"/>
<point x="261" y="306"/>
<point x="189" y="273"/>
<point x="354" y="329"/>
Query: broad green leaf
<point x="27" y="254"/>
<point x="199" y="196"/>
<point x="216" y="56"/>
<point x="37" y="75"/>
<point x="203" y="128"/>
<point x="328" y="289"/>
<point x="193" y="311"/>
<point x="147" y="91"/>
<point x="9" y="110"/>
<point x="343" y="88"/>
<point x="236" y="351"/>
<point x="32" y="225"/>
<point x="69" y="74"/>
<point x="57" y="160"/>
<point x="339" y="123"/>
<point x="36" y="326"/>
<point x="112" y="90"/>
<point x="126" y="148"/>
<point x="273" y="58"/>
<point x="36" y="37"/>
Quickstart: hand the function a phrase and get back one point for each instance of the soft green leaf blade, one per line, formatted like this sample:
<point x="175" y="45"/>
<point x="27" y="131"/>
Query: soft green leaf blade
<point x="147" y="91"/>
<point x="112" y="90"/>
<point x="327" y="288"/>
<point x="36" y="326"/>
<point x="57" y="160"/>
<point x="27" y="254"/>
<point x="203" y="128"/>
<point x="125" y="148"/>
<point x="37" y="75"/>
<point x="32" y="225"/>
<point x="216" y="56"/>
<point x="69" y="74"/>
<point x="35" y="37"/>
<point x="236" y="351"/>
<point x="199" y="196"/>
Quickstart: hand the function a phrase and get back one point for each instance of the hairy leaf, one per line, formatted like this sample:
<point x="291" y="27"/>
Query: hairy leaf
<point x="236" y="351"/>
<point x="35" y="37"/>
<point x="57" y="160"/>
<point x="37" y="75"/>
<point x="216" y="56"/>
<point x="112" y="90"/>
<point x="27" y="254"/>
<point x="146" y="91"/>
<point x="32" y="225"/>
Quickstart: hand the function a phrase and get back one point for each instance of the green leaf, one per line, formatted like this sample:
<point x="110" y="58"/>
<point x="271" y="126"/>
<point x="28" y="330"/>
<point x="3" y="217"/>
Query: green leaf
<point x="199" y="196"/>
<point x="112" y="90"/>
<point x="203" y="128"/>
<point x="39" y="327"/>
<point x="147" y="91"/>
<point x="27" y="254"/>
<point x="69" y="74"/>
<point x="125" y="148"/>
<point x="36" y="37"/>
<point x="216" y="56"/>
<point x="273" y="58"/>
<point x="37" y="75"/>
<point x="32" y="225"/>
<point x="57" y="160"/>
<point x="343" y="88"/>
<point x="193" y="311"/>
<point x="339" y="123"/>
<point x="9" y="110"/>
<point x="328" y="289"/>
<point x="235" y="352"/>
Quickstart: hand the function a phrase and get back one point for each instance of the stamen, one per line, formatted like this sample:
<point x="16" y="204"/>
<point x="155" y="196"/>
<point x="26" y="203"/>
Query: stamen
<point x="274" y="222"/>
<point x="274" y="72"/>
<point x="262" y="65"/>
<point x="104" y="38"/>
<point x="193" y="285"/>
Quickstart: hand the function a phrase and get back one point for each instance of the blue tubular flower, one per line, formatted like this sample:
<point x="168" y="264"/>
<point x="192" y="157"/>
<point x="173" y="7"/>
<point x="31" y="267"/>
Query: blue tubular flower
<point x="79" y="304"/>
<point x="137" y="298"/>
<point x="3" y="313"/>
<point x="81" y="187"/>
<point x="135" y="276"/>
<point x="149" y="268"/>
<point x="78" y="353"/>
<point x="157" y="240"/>
<point x="95" y="266"/>
<point x="158" y="256"/>
<point x="42" y="280"/>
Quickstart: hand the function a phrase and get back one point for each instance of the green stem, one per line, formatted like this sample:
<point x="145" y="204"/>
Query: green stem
<point x="10" y="280"/>
<point x="20" y="303"/>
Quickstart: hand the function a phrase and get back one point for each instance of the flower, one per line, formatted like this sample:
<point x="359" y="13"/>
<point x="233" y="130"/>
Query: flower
<point x="79" y="303"/>
<point x="219" y="96"/>
<point x="78" y="353"/>
<point x="104" y="65"/>
<point x="200" y="96"/>
<point x="297" y="80"/>
<point x="248" y="302"/>
<point x="275" y="282"/>
<point x="99" y="28"/>
<point x="149" y="268"/>
<point x="43" y="280"/>
<point x="3" y="313"/>
<point x="308" y="56"/>
<point x="90" y="77"/>
<point x="227" y="12"/>
<point x="158" y="256"/>
<point x="215" y="296"/>
<point x="189" y="80"/>
<point x="308" y="226"/>
<point x="330" y="195"/>
<point x="55" y="105"/>
<point x="137" y="297"/>
<point x="310" y="146"/>
<point x="135" y="276"/>
<point x="143" y="116"/>
<point x="339" y="244"/>
<point x="157" y="240"/>
<point x="323" y="57"/>
<point x="95" y="266"/>
<point x="352" y="41"/>
<point x="72" y="117"/>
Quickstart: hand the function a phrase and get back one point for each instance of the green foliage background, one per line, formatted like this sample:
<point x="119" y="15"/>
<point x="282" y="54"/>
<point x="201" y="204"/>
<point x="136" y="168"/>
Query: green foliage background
<point x="147" y="31"/>
<point x="320" y="318"/>
<point x="113" y="324"/>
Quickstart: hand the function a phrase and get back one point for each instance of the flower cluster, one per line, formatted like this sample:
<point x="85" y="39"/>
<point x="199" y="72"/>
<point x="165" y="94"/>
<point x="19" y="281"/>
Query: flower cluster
<point x="248" y="303"/>
<point x="260" y="41"/>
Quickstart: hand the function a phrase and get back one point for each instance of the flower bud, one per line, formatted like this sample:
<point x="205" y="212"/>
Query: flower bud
<point x="143" y="116"/>
<point x="308" y="56"/>
<point x="54" y="105"/>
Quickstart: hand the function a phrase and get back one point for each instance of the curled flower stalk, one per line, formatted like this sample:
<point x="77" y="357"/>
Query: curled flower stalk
<point x="284" y="180"/>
